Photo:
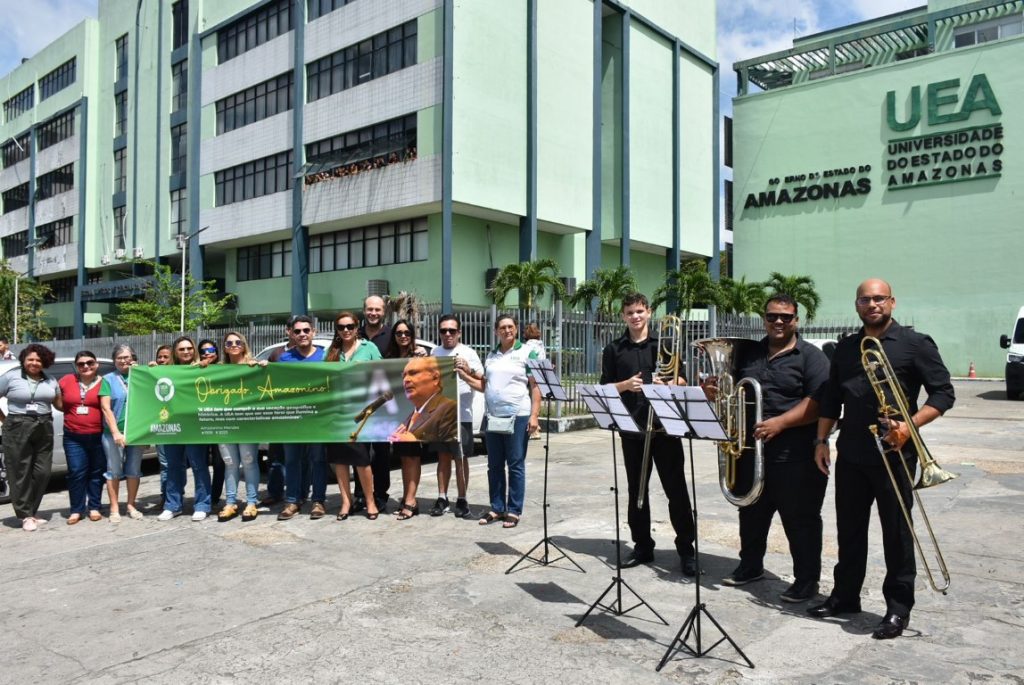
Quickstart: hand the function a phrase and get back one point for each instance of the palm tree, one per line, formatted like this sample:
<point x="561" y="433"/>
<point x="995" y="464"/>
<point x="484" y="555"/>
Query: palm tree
<point x="800" y="288"/>
<point x="740" y="297"/>
<point x="688" y="286"/>
<point x="531" y="279"/>
<point x="608" y="287"/>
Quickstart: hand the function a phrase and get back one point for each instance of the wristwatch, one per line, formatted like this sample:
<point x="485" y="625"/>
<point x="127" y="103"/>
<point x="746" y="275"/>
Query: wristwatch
<point x="821" y="441"/>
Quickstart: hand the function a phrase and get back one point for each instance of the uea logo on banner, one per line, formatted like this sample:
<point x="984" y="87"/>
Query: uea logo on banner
<point x="164" y="389"/>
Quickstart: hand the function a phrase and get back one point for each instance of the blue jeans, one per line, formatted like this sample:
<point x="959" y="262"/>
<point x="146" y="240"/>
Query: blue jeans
<point x="179" y="458"/>
<point x="161" y="456"/>
<point x="507" y="451"/>
<point x="122" y="462"/>
<point x="241" y="460"/>
<point x="86" y="461"/>
<point x="297" y="459"/>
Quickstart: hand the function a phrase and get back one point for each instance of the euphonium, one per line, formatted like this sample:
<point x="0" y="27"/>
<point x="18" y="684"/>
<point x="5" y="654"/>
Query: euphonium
<point x="731" y="403"/>
<point x="670" y="346"/>
<point x="893" y="406"/>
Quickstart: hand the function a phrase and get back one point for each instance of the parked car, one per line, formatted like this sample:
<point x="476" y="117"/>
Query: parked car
<point x="61" y="367"/>
<point x="1014" y="346"/>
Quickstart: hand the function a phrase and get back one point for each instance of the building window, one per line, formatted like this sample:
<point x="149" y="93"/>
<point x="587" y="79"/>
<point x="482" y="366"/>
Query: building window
<point x="120" y="170"/>
<point x="318" y="8"/>
<point x="61" y="290"/>
<point x="179" y="24"/>
<point x="55" y="182"/>
<point x="255" y="104"/>
<point x="391" y="243"/>
<point x="55" y="233"/>
<point x="728" y="205"/>
<point x="367" y="148"/>
<point x="20" y="103"/>
<point x="120" y="221"/>
<point x="57" y="80"/>
<point x="988" y="31"/>
<point x="254" y="179"/>
<point x="56" y="130"/>
<point x="254" y="29"/>
<point x="372" y="58"/>
<point x="121" y="58"/>
<point x="179" y="212"/>
<point x="269" y="260"/>
<point x="179" y="148"/>
<point x="15" y="150"/>
<point x="15" y="245"/>
<point x="179" y="85"/>
<point x="120" y="114"/>
<point x="15" y="198"/>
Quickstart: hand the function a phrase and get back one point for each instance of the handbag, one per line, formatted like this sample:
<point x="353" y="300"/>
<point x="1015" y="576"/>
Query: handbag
<point x="501" y="425"/>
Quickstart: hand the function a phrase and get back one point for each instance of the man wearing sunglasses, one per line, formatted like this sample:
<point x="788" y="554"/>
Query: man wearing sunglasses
<point x="791" y="371"/>
<point x="298" y="457"/>
<point x="861" y="477"/>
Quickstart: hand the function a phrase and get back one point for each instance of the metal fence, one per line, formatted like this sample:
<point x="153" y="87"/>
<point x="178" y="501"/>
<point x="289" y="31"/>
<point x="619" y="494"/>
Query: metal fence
<point x="573" y="340"/>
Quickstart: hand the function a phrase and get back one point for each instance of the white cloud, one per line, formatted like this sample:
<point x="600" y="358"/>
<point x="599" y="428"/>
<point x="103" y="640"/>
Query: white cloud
<point x="30" y="25"/>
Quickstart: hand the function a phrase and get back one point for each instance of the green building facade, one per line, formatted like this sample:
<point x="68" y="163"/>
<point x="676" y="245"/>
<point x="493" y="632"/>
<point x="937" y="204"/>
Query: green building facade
<point x="307" y="153"/>
<point x="887" y="149"/>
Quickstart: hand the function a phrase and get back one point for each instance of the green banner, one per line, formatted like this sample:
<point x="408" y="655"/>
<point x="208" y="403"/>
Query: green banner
<point x="296" y="402"/>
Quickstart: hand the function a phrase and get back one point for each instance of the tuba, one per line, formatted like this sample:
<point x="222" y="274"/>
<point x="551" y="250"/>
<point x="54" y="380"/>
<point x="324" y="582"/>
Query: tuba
<point x="731" y="404"/>
<point x="670" y="346"/>
<point x="893" y="405"/>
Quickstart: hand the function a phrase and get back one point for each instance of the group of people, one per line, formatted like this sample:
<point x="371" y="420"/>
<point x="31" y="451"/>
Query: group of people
<point x="803" y="396"/>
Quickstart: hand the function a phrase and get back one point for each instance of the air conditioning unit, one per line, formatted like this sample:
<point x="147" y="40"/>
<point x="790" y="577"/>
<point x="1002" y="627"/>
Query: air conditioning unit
<point x="137" y="252"/>
<point x="489" y="277"/>
<point x="119" y="253"/>
<point x="377" y="286"/>
<point x="105" y="259"/>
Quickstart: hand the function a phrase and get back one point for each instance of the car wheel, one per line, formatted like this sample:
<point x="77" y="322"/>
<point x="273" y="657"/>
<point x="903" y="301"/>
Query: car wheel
<point x="5" y="486"/>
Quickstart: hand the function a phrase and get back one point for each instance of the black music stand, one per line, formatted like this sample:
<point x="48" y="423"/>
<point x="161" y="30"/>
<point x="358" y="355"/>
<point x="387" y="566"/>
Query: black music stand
<point x="550" y="389"/>
<point x="611" y="414"/>
<point x="685" y="412"/>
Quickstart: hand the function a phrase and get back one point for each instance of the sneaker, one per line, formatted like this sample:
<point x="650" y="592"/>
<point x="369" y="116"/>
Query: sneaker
<point x="742" y="576"/>
<point x="28" y="524"/>
<point x="462" y="509"/>
<point x="289" y="512"/>
<point x="199" y="516"/>
<point x="440" y="507"/>
<point x="250" y="513"/>
<point x="167" y="515"/>
<point x="229" y="512"/>
<point x="799" y="592"/>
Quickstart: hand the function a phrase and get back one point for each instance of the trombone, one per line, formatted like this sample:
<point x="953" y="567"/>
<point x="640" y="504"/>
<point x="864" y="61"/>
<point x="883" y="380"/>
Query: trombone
<point x="893" y="406"/>
<point x="670" y="346"/>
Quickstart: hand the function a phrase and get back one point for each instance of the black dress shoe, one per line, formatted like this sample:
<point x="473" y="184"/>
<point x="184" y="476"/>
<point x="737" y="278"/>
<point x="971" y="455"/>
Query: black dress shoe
<point x="833" y="607"/>
<point x="689" y="565"/>
<point x="800" y="591"/>
<point x="891" y="626"/>
<point x="637" y="558"/>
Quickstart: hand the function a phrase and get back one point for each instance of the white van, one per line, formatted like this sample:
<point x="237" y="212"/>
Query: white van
<point x="1014" y="343"/>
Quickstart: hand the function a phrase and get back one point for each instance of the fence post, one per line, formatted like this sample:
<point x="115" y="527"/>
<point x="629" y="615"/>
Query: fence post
<point x="556" y="347"/>
<point x="494" y="322"/>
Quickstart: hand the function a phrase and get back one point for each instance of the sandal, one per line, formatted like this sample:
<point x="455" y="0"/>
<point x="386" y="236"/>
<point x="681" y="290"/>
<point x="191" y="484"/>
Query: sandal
<point x="413" y="509"/>
<point x="115" y="517"/>
<point x="490" y="517"/>
<point x="342" y="516"/>
<point x="135" y="514"/>
<point x="511" y="521"/>
<point x="373" y="516"/>
<point x="74" y="518"/>
<point x="95" y="515"/>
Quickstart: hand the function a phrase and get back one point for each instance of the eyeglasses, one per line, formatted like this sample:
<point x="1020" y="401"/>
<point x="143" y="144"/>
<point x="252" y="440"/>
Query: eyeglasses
<point x="126" y="358"/>
<point x="207" y="350"/>
<point x="185" y="349"/>
<point x="403" y="334"/>
<point x="232" y="343"/>
<point x="449" y="331"/>
<point x="865" y="300"/>
<point x="302" y="331"/>
<point x="345" y="327"/>
<point x="772" y="317"/>
<point x="85" y="365"/>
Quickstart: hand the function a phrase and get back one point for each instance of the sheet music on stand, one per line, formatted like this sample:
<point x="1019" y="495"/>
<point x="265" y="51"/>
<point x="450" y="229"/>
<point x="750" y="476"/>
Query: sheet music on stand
<point x="547" y="380"/>
<point x="604" y="403"/>
<point x="685" y="411"/>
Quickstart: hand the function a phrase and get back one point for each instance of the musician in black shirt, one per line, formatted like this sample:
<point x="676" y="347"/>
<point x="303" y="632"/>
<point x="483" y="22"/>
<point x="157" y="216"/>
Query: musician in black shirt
<point x="629" y="362"/>
<point x="861" y="477"/>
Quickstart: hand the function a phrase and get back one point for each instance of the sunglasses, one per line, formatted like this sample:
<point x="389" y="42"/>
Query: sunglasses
<point x="865" y="300"/>
<point x="449" y="331"/>
<point x="302" y="331"/>
<point x="345" y="327"/>
<point x="207" y="350"/>
<point x="784" y="318"/>
<point x="232" y="343"/>
<point x="403" y="334"/>
<point x="85" y="365"/>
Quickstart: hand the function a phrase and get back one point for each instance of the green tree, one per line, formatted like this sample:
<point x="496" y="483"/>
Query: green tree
<point x="31" y="296"/>
<point x="800" y="288"/>
<point x="608" y="287"/>
<point x="531" y="279"/>
<point x="688" y="286"/>
<point x="740" y="297"/>
<point x="159" y="307"/>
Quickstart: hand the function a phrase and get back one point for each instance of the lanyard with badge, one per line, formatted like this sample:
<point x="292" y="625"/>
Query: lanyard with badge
<point x="32" y="406"/>
<point x="83" y="389"/>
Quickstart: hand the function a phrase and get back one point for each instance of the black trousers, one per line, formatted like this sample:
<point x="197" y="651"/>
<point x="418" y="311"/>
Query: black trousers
<point x="796" y="491"/>
<point x="28" y="455"/>
<point x="668" y="459"/>
<point x="857" y="487"/>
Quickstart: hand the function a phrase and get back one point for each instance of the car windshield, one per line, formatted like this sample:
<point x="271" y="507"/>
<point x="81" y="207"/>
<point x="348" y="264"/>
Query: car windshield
<point x="1018" y="334"/>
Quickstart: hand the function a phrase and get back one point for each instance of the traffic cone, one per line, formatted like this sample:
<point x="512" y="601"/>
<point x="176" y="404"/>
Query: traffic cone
<point x="971" y="373"/>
